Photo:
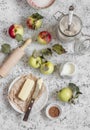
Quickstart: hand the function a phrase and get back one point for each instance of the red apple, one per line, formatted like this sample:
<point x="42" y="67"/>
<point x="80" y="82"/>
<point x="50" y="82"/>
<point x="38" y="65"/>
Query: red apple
<point x="15" y="29"/>
<point x="44" y="37"/>
<point x="34" y="21"/>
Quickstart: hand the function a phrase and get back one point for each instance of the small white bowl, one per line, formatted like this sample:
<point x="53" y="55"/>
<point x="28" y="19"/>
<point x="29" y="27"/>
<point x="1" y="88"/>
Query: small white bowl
<point x="53" y="105"/>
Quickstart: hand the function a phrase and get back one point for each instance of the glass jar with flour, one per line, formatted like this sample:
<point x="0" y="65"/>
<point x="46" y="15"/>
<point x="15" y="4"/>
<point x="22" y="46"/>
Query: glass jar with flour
<point x="69" y="27"/>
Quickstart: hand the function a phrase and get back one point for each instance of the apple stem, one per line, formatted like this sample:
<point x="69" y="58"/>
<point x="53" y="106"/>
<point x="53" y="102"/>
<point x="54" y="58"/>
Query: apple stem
<point x="44" y="36"/>
<point x="15" y="30"/>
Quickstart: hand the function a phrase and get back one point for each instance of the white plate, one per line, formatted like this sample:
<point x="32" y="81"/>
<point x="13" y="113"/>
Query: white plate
<point x="34" y="5"/>
<point x="38" y="105"/>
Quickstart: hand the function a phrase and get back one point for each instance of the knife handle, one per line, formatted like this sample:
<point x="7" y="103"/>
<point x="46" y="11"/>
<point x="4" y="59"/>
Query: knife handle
<point x="28" y="110"/>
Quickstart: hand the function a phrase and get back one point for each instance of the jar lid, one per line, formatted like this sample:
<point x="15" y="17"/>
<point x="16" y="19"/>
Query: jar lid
<point x="75" y="29"/>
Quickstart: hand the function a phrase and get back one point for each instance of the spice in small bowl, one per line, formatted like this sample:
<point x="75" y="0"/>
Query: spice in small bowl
<point x="53" y="111"/>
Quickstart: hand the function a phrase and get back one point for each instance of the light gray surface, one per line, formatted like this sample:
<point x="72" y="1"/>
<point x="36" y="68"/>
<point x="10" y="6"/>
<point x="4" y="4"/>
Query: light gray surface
<point x="74" y="117"/>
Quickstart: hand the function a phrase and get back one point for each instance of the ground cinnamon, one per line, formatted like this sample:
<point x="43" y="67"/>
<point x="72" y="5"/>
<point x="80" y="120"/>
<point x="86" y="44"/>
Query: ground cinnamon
<point x="54" y="111"/>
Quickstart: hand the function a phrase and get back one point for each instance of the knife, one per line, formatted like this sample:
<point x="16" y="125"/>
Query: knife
<point x="34" y="96"/>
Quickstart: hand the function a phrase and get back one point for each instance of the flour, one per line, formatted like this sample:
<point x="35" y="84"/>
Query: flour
<point x="75" y="27"/>
<point x="42" y="3"/>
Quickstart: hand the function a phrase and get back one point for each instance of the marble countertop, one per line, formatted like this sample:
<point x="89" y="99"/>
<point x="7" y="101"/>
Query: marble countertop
<point x="74" y="117"/>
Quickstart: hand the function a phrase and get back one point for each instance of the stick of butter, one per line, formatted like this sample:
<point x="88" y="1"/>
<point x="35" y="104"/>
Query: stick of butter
<point x="39" y="83"/>
<point x="26" y="89"/>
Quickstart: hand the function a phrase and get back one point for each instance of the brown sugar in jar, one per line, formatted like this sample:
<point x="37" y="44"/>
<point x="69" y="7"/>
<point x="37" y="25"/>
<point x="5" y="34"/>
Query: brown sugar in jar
<point x="54" y="111"/>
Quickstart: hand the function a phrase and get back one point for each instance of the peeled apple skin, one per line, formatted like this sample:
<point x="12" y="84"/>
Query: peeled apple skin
<point x="65" y="94"/>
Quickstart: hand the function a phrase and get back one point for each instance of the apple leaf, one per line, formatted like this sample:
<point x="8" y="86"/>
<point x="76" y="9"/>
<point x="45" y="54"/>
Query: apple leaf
<point x="58" y="49"/>
<point x="76" y="92"/>
<point x="72" y="101"/>
<point x="36" y="54"/>
<point x="74" y="88"/>
<point x="6" y="48"/>
<point x="19" y="37"/>
<point x="42" y="53"/>
<point x="37" y="16"/>
<point x="44" y="60"/>
<point x="46" y="52"/>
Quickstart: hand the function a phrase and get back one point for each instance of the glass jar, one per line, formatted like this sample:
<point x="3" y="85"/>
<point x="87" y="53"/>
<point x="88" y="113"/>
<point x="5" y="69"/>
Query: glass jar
<point x="82" y="46"/>
<point x="62" y="29"/>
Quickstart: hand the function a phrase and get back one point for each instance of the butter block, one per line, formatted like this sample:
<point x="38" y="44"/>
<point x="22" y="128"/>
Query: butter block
<point x="26" y="89"/>
<point x="39" y="83"/>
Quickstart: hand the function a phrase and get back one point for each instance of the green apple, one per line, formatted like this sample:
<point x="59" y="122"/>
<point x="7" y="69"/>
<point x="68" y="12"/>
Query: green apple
<point x="47" y="68"/>
<point x="34" y="62"/>
<point x="34" y="21"/>
<point x="65" y="94"/>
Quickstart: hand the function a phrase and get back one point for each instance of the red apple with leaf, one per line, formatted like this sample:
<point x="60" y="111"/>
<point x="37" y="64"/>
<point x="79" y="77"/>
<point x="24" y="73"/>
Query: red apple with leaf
<point x="34" y="21"/>
<point x="15" y="31"/>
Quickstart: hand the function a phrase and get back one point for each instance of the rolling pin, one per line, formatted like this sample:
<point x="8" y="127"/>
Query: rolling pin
<point x="13" y="59"/>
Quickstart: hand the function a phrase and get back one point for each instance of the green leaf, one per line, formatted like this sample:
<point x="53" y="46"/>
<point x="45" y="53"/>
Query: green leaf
<point x="37" y="16"/>
<point x="44" y="60"/>
<point x="6" y="48"/>
<point x="75" y="90"/>
<point x="58" y="49"/>
<point x="79" y="92"/>
<point x="19" y="37"/>
<point x="42" y="53"/>
<point x="36" y="54"/>
<point x="73" y="87"/>
<point x="71" y="101"/>
<point x="46" y="52"/>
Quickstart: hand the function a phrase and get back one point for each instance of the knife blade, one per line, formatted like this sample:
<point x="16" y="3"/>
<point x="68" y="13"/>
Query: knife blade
<point x="34" y="96"/>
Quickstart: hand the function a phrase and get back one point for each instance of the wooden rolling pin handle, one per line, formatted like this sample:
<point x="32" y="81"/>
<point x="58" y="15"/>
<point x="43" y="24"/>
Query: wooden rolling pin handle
<point x="13" y="59"/>
<point x="27" y="42"/>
